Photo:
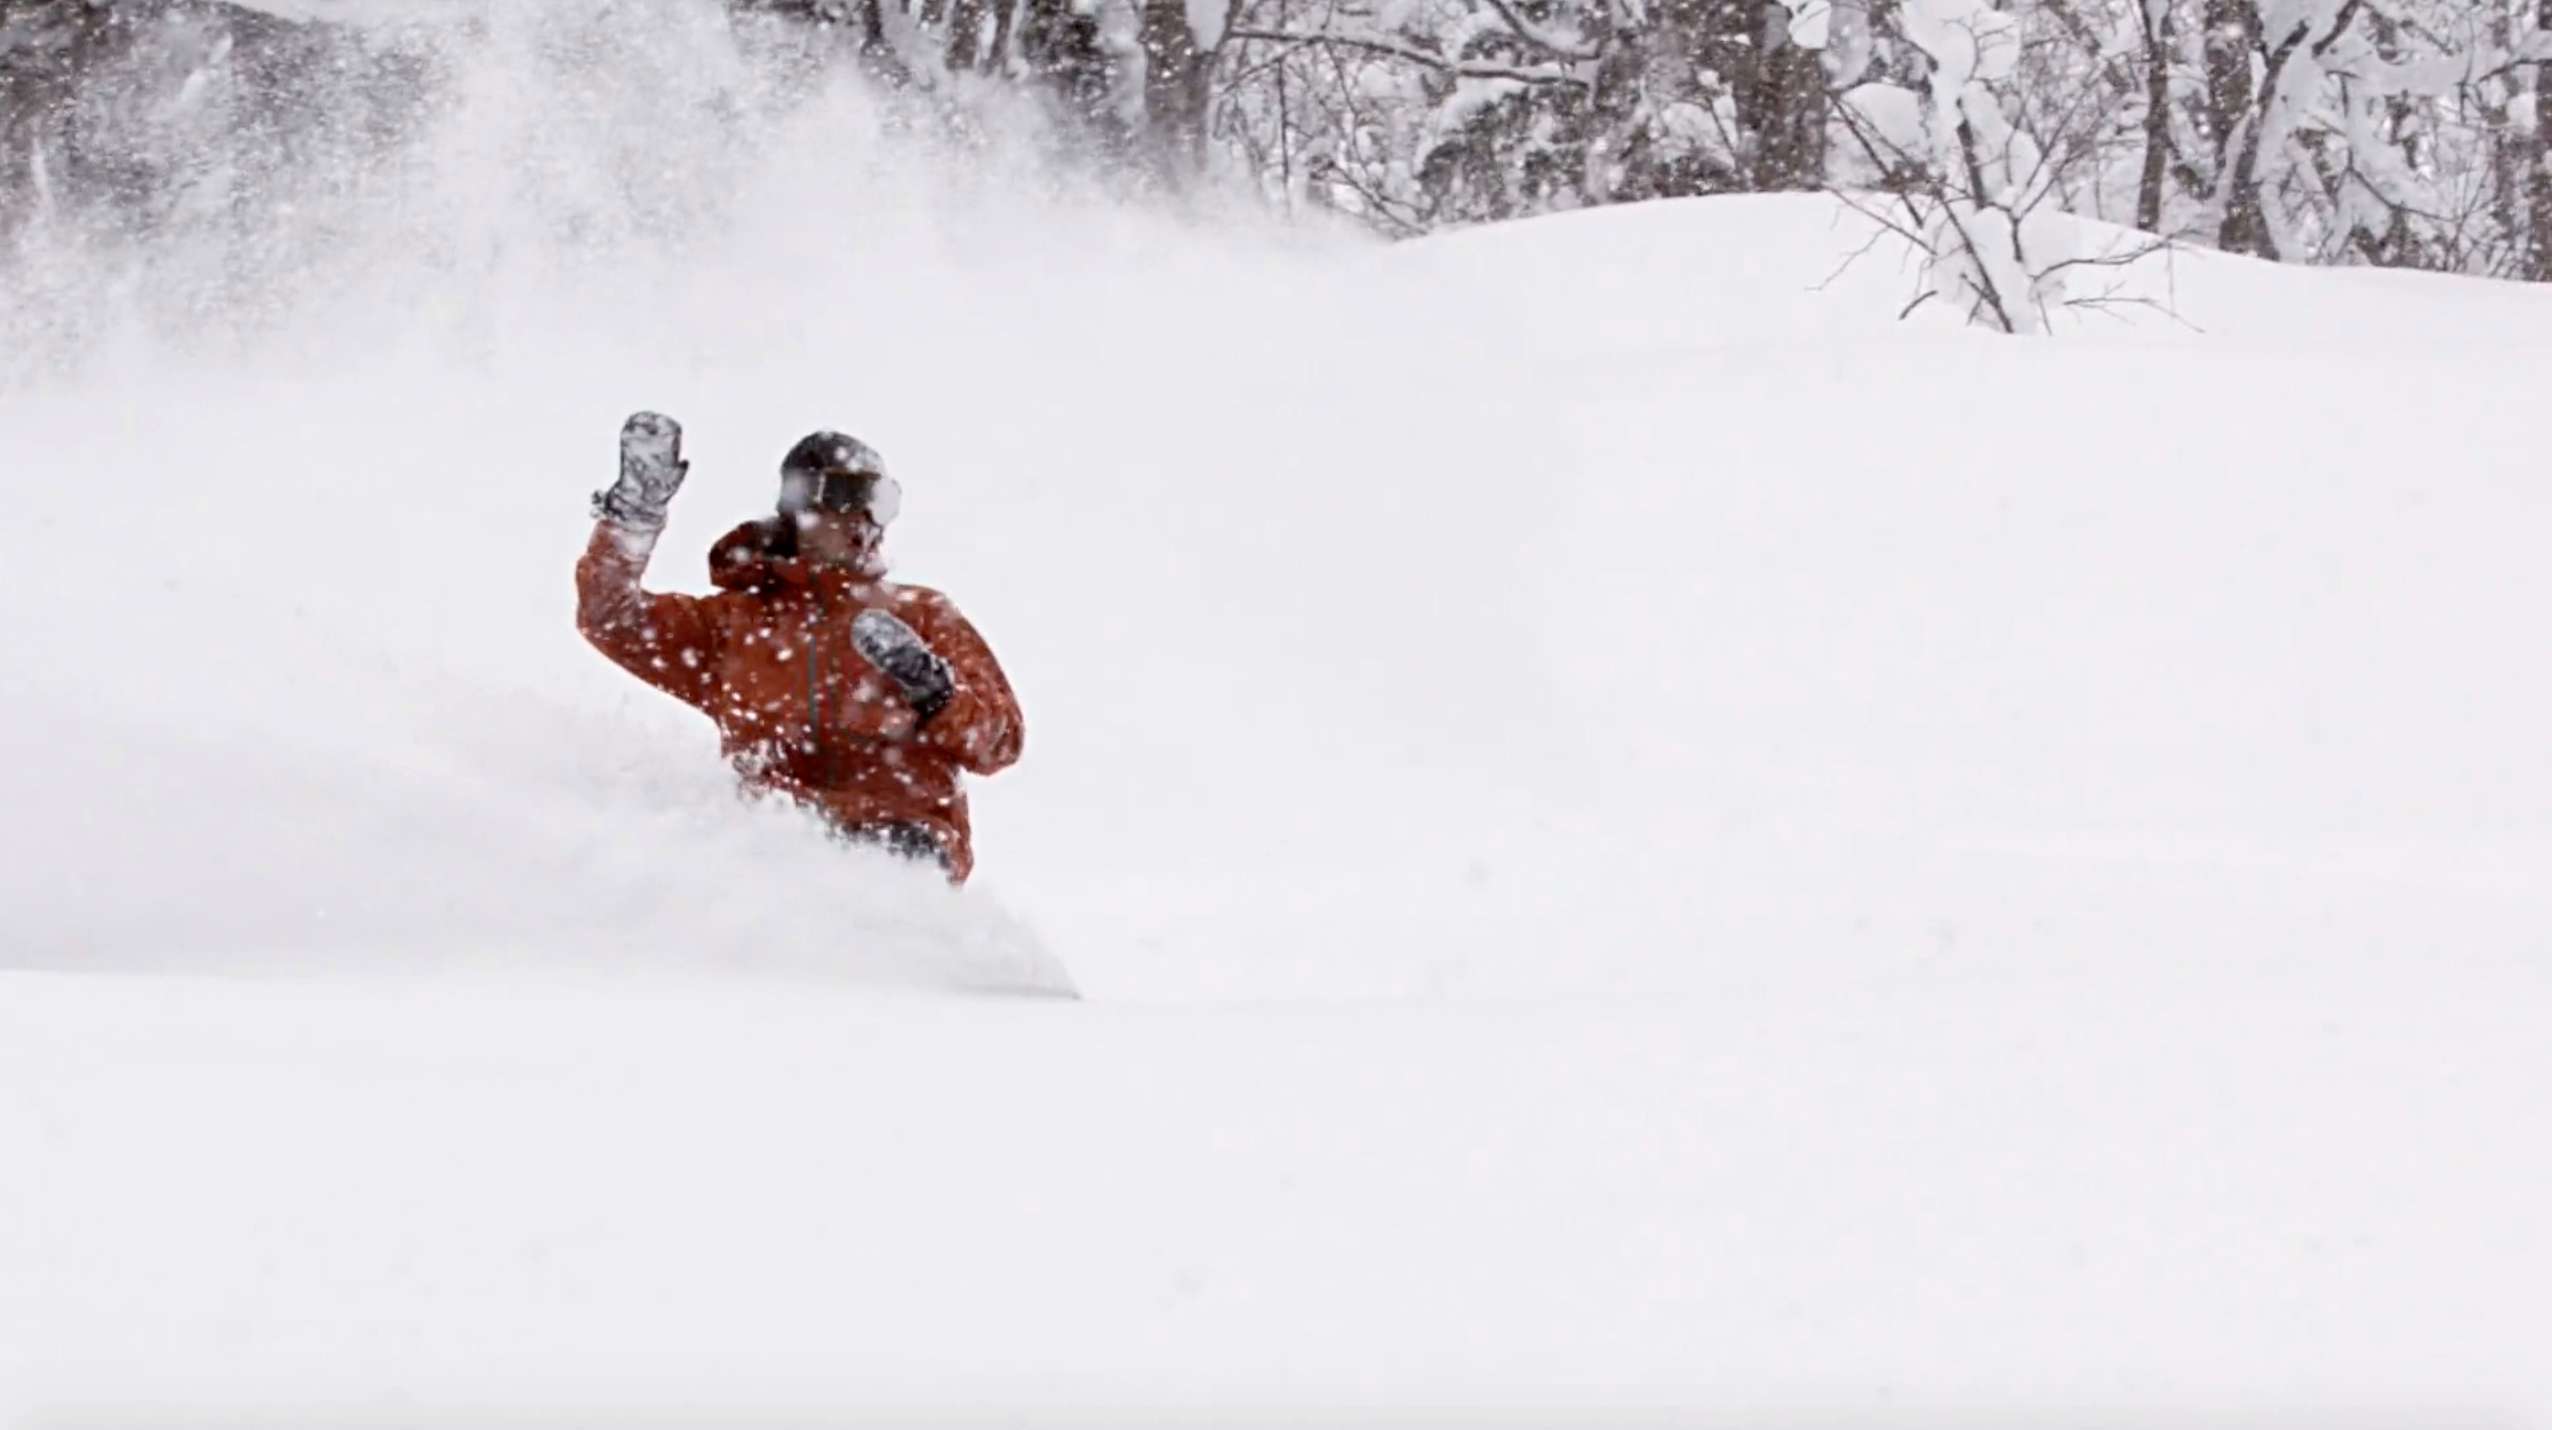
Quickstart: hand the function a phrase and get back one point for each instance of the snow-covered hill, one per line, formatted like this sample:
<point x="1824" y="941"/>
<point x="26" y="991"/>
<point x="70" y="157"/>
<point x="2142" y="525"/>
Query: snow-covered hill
<point x="1633" y="829"/>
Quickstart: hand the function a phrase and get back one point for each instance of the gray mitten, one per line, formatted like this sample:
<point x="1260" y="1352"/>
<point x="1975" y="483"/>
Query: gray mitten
<point x="916" y="669"/>
<point x="651" y="471"/>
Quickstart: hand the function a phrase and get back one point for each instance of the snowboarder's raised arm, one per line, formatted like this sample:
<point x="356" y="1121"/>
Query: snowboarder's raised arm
<point x="666" y="640"/>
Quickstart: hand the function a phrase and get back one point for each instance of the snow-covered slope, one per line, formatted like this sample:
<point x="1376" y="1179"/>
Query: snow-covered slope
<point x="1631" y="827"/>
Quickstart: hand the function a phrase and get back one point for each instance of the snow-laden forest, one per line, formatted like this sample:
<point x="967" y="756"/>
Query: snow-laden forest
<point x="2391" y="133"/>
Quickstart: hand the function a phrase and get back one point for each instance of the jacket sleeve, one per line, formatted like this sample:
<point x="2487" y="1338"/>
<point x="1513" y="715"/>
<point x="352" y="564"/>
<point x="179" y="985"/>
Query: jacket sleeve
<point x="981" y="727"/>
<point x="667" y="641"/>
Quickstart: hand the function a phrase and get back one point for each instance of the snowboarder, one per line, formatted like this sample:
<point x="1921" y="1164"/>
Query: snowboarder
<point x="857" y="697"/>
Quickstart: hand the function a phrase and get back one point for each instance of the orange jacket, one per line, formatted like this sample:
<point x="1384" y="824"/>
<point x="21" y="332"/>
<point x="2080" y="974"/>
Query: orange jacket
<point x="799" y="711"/>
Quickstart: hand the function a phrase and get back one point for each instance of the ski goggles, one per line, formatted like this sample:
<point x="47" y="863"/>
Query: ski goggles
<point x="839" y="491"/>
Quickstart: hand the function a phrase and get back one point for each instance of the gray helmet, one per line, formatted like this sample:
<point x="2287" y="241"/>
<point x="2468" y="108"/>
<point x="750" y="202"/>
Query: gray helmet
<point x="831" y="471"/>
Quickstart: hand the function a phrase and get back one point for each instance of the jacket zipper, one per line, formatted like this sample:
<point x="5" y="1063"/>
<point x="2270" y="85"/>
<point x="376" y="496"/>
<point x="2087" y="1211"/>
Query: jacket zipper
<point x="815" y="695"/>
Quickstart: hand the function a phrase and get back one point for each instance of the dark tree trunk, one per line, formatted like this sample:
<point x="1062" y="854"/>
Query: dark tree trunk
<point x="1789" y="105"/>
<point x="1778" y="89"/>
<point x="1005" y="12"/>
<point x="965" y="35"/>
<point x="2538" y="256"/>
<point x="54" y="44"/>
<point x="2232" y="38"/>
<point x="878" y="52"/>
<point x="1175" y="74"/>
<point x="2158" y="39"/>
<point x="2245" y="228"/>
<point x="1061" y="49"/>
